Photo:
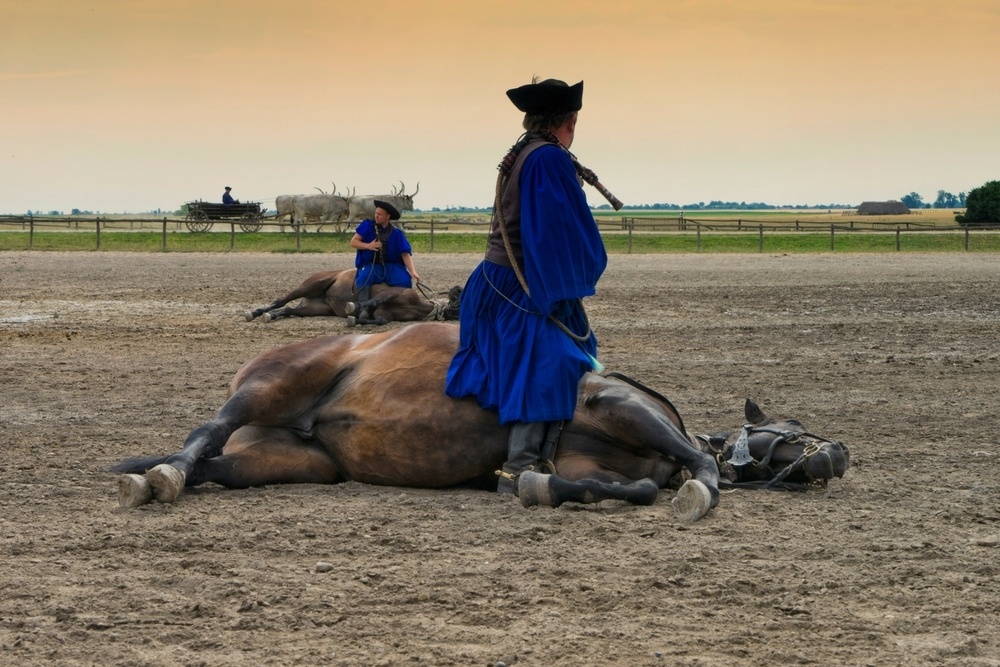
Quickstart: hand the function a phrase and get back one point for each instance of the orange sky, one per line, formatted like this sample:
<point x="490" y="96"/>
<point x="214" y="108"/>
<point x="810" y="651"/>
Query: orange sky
<point x="133" y="105"/>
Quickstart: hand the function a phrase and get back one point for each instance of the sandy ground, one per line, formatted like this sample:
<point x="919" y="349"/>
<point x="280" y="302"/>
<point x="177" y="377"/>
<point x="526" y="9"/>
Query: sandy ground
<point x="110" y="355"/>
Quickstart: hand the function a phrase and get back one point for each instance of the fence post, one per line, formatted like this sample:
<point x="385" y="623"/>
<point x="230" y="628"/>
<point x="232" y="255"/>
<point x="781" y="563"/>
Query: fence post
<point x="630" y="238"/>
<point x="31" y="230"/>
<point x="98" y="232"/>
<point x="966" y="238"/>
<point x="298" y="243"/>
<point x="697" y="235"/>
<point x="760" y="238"/>
<point x="897" y="238"/>
<point x="831" y="237"/>
<point x="163" y="246"/>
<point x="232" y="234"/>
<point x="432" y="234"/>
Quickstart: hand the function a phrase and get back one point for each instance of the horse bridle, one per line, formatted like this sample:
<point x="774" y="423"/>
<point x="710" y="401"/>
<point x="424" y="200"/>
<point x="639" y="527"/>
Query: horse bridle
<point x="742" y="461"/>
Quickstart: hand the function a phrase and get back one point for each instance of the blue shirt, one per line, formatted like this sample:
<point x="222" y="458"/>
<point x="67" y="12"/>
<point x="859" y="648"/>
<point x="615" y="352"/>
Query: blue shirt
<point x="387" y="267"/>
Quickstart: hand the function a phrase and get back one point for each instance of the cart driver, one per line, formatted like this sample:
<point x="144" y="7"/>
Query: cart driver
<point x="228" y="198"/>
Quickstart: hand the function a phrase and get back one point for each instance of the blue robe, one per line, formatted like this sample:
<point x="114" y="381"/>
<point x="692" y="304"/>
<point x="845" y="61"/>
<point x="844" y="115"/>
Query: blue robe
<point x="512" y="358"/>
<point x="392" y="271"/>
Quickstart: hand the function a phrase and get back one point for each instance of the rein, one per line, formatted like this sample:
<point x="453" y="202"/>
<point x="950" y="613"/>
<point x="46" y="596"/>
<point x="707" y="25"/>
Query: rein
<point x="438" y="306"/>
<point x="741" y="461"/>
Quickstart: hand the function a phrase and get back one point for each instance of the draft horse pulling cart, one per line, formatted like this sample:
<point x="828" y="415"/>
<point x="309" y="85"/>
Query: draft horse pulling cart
<point x="201" y="215"/>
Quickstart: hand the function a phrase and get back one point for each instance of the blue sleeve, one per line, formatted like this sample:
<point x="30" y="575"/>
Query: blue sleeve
<point x="366" y="230"/>
<point x="402" y="244"/>
<point x="564" y="255"/>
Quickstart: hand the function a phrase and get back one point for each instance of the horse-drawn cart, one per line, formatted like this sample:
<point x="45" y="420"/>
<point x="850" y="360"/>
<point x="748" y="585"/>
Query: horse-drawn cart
<point x="201" y="214"/>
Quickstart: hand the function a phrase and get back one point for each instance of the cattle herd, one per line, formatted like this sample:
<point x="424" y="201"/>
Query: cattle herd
<point x="337" y="209"/>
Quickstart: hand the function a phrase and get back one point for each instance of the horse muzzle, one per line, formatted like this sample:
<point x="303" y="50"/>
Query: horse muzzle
<point x="826" y="460"/>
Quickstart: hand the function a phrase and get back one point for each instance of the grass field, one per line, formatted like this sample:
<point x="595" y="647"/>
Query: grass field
<point x="463" y="233"/>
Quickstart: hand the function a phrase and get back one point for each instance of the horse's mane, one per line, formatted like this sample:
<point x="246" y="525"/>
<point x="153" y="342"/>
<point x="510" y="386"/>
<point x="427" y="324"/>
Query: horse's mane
<point x="652" y="392"/>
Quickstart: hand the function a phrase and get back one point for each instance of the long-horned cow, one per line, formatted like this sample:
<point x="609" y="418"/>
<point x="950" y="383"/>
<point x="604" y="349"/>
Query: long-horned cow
<point x="363" y="206"/>
<point x="325" y="208"/>
<point x="285" y="205"/>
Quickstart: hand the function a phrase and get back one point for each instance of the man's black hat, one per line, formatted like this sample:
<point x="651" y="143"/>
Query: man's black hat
<point x="228" y="188"/>
<point x="547" y="98"/>
<point x="388" y="208"/>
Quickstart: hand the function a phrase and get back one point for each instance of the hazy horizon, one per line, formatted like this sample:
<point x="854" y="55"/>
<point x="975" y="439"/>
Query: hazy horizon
<point x="138" y="105"/>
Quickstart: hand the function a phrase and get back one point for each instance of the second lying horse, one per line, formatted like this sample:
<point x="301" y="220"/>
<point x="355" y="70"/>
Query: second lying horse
<point x="331" y="293"/>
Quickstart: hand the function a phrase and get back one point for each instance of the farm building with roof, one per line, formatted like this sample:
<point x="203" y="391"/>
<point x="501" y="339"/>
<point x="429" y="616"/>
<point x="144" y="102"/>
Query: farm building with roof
<point x="883" y="208"/>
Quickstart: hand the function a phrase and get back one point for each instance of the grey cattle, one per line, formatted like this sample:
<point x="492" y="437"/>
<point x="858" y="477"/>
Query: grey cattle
<point x="363" y="206"/>
<point x="324" y="208"/>
<point x="285" y="205"/>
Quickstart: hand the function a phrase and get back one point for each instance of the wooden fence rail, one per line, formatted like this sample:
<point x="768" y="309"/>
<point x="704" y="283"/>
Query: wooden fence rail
<point x="629" y="226"/>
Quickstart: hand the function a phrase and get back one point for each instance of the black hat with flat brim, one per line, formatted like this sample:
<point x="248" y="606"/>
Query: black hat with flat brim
<point x="547" y="98"/>
<point x="388" y="208"/>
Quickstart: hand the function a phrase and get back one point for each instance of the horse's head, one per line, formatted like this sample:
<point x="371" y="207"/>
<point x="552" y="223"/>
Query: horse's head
<point x="450" y="311"/>
<point x="776" y="453"/>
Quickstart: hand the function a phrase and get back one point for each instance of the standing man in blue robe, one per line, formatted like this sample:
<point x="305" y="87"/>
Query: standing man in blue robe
<point x="524" y="339"/>
<point x="384" y="255"/>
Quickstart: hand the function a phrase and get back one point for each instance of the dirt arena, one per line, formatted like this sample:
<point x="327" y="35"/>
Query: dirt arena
<point x="107" y="355"/>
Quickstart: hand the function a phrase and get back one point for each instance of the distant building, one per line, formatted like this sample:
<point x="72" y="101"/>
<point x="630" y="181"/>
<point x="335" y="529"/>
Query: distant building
<point x="883" y="208"/>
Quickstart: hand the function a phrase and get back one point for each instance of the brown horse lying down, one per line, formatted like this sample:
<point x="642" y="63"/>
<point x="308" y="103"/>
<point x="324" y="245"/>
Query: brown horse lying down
<point x="372" y="409"/>
<point x="332" y="293"/>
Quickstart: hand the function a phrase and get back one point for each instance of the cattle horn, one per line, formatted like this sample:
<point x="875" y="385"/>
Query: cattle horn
<point x="402" y="187"/>
<point x="415" y="191"/>
<point x="320" y="191"/>
<point x="394" y="193"/>
<point x="334" y="191"/>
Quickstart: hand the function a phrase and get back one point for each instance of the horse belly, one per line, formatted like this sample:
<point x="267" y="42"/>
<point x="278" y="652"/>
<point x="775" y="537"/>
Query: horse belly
<point x="425" y="453"/>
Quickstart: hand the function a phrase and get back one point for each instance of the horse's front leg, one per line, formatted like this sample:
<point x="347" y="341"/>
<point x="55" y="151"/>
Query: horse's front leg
<point x="640" y="440"/>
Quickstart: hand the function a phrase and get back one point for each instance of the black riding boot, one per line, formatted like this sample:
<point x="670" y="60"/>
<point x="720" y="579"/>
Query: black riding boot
<point x="524" y="448"/>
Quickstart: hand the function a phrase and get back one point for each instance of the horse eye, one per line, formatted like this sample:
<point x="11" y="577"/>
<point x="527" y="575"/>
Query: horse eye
<point x="796" y="422"/>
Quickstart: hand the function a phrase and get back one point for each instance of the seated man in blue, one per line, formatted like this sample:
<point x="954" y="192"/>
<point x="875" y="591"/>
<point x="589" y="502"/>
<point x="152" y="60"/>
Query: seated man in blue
<point x="384" y="254"/>
<point x="228" y="198"/>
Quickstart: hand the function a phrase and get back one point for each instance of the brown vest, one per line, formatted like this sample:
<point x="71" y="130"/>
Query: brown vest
<point x="510" y="204"/>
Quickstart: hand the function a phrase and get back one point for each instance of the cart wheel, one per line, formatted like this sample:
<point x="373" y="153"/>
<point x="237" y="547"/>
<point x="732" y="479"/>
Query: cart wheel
<point x="251" y="222"/>
<point x="201" y="223"/>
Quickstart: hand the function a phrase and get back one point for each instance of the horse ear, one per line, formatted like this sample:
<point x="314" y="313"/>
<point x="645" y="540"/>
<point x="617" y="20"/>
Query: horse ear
<point x="753" y="413"/>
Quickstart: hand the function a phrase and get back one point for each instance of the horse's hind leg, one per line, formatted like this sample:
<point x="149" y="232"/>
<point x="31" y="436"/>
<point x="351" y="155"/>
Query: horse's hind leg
<point x="314" y="286"/>
<point x="166" y="480"/>
<point x="308" y="308"/>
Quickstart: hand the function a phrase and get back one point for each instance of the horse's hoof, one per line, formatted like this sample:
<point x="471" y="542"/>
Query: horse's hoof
<point x="533" y="489"/>
<point x="266" y="317"/>
<point x="350" y="307"/>
<point x="692" y="502"/>
<point x="167" y="482"/>
<point x="249" y="315"/>
<point x="351" y="320"/>
<point x="133" y="491"/>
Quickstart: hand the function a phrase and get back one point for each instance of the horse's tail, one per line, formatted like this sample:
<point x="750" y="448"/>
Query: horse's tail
<point x="137" y="464"/>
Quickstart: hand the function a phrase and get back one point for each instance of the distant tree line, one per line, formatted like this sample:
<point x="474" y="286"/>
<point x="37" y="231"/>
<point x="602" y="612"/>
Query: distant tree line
<point x="944" y="200"/>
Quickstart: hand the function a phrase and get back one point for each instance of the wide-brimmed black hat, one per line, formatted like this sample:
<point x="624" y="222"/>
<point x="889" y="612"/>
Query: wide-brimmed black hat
<point x="388" y="208"/>
<point x="547" y="98"/>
